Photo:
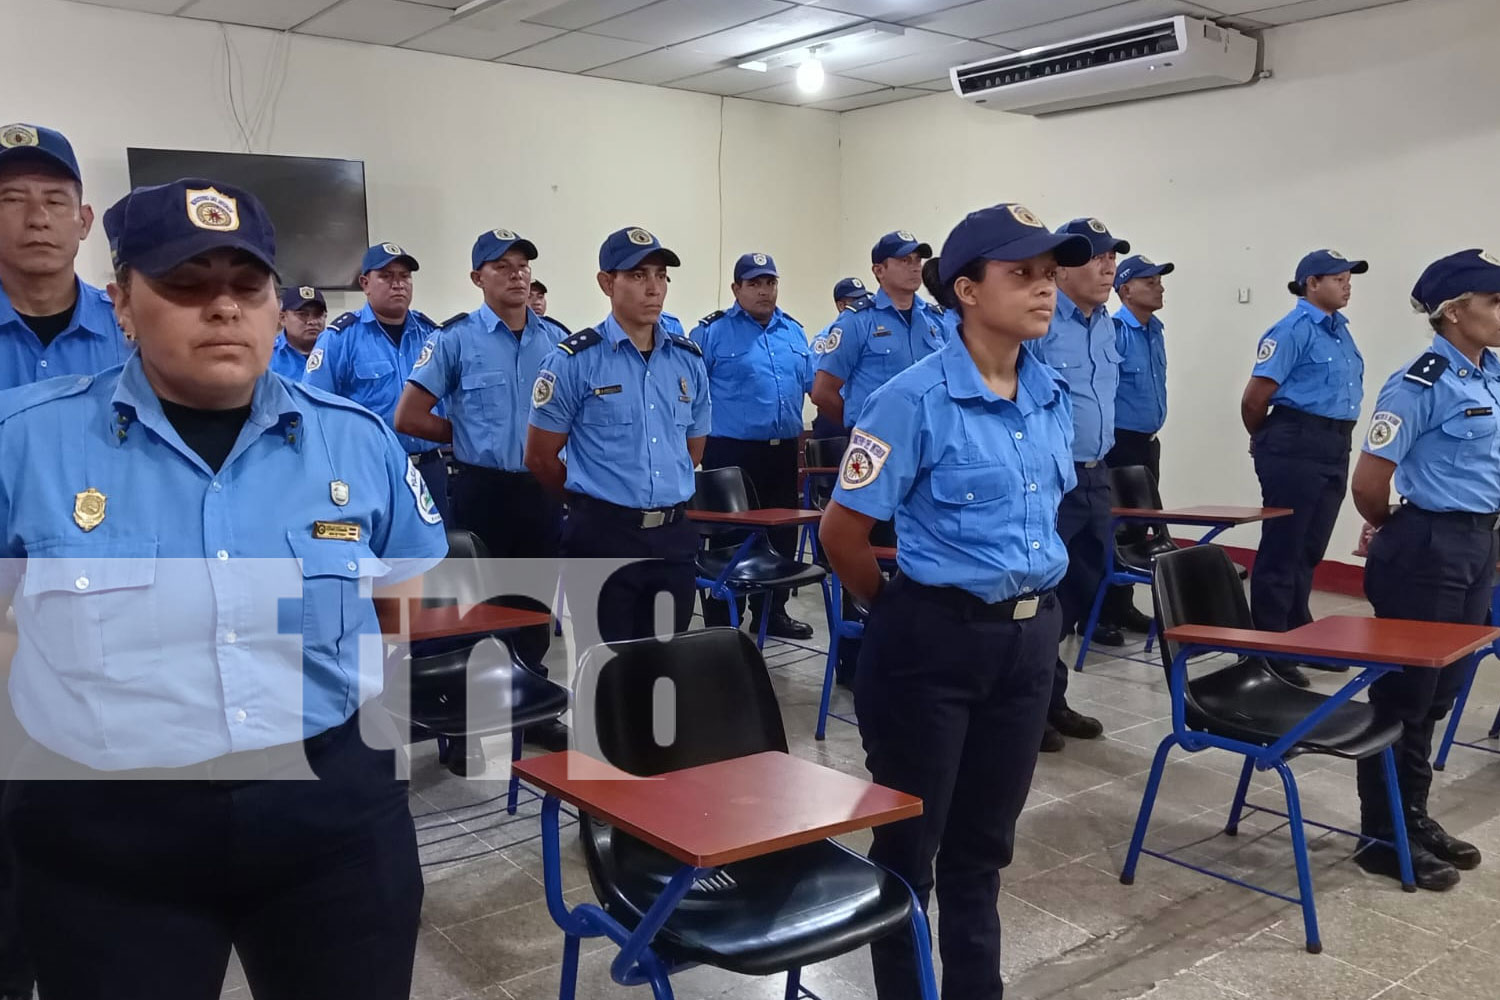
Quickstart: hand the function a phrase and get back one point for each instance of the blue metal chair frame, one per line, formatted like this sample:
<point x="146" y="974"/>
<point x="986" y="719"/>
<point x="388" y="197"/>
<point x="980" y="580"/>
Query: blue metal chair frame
<point x="839" y="628"/>
<point x="719" y="586"/>
<point x="807" y="540"/>
<point x="1119" y="577"/>
<point x="637" y="964"/>
<point x="1265" y="758"/>
<point x="1450" y="735"/>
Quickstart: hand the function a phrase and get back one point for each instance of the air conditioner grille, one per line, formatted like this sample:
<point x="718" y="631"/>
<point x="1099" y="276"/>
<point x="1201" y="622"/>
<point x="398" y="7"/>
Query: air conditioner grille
<point x="1145" y="43"/>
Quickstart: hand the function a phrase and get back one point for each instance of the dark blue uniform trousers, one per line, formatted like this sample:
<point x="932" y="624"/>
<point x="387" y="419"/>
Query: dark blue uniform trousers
<point x="627" y="598"/>
<point x="951" y="709"/>
<point x="1083" y="525"/>
<point x="136" y="890"/>
<point x="1302" y="461"/>
<point x="1429" y="567"/>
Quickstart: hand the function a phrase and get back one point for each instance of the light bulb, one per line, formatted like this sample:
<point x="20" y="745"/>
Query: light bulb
<point x="810" y="75"/>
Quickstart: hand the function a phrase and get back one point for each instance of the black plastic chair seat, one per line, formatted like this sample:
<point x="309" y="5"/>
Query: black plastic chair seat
<point x="761" y="567"/>
<point x="1246" y="701"/>
<point x="510" y="696"/>
<point x="1136" y="558"/>
<point x="756" y="917"/>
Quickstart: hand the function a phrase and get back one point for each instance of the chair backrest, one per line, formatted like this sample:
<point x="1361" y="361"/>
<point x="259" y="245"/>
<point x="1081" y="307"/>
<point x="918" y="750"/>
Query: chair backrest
<point x="457" y="577"/>
<point x="825" y="452"/>
<point x="662" y="706"/>
<point x="725" y="490"/>
<point x="1134" y="486"/>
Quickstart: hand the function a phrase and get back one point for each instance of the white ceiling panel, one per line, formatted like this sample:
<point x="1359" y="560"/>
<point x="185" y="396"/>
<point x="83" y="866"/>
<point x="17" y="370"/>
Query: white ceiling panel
<point x="278" y="14"/>
<point x="914" y="69"/>
<point x="149" y="6"/>
<point x="471" y="42"/>
<point x="671" y="21"/>
<point x="989" y="17"/>
<point x="379" y="22"/>
<point x="1120" y="16"/>
<point x="833" y="87"/>
<point x="661" y="66"/>
<point x="778" y="29"/>
<point x="941" y="84"/>
<point x="889" y="95"/>
<point x="576" y="52"/>
<point x="1309" y="9"/>
<point x="887" y="10"/>
<point x="575" y="14"/>
<point x="732" y="81"/>
<point x="862" y="51"/>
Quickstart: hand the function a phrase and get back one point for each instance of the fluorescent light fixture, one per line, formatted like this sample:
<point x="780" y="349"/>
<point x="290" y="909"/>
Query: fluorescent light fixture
<point x="799" y="52"/>
<point x="514" y="10"/>
<point x="810" y="75"/>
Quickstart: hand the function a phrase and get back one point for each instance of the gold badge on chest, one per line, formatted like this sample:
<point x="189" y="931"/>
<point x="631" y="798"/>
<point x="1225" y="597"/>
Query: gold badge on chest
<point x="88" y="509"/>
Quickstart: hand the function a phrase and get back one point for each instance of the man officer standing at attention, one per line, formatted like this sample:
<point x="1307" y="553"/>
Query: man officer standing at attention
<point x="1140" y="402"/>
<point x="878" y="338"/>
<point x="1081" y="345"/>
<point x="630" y="402"/>
<point x="760" y="368"/>
<point x="846" y="292"/>
<point x="366" y="356"/>
<point x="304" y="314"/>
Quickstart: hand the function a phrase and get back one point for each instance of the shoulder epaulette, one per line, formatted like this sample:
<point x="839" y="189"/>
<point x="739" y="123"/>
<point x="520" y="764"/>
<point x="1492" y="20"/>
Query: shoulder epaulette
<point x="560" y="325"/>
<point x="424" y="318"/>
<point x="1428" y="368"/>
<point x="685" y="342"/>
<point x="936" y="308"/>
<point x="581" y="340"/>
<point x="331" y="399"/>
<point x="35" y="394"/>
<point x="451" y="320"/>
<point x="343" y="323"/>
<point x="790" y="318"/>
<point x="711" y="317"/>
<point x="860" y="305"/>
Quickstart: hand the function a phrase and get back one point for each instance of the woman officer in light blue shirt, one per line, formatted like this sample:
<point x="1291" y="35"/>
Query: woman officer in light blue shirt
<point x="190" y="542"/>
<point x="1436" y="432"/>
<point x="970" y="450"/>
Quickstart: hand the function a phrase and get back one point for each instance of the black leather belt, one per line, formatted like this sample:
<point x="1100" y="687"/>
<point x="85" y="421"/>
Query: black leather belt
<point x="972" y="608"/>
<point x="1302" y="416"/>
<point x="633" y="517"/>
<point x="1483" y="522"/>
<point x="419" y="457"/>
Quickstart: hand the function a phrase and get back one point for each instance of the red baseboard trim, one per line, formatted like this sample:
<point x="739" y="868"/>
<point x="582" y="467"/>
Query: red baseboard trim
<point x="1334" y="577"/>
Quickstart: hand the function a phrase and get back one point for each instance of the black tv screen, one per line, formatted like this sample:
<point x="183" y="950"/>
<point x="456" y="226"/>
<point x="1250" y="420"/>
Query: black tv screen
<point x="317" y="205"/>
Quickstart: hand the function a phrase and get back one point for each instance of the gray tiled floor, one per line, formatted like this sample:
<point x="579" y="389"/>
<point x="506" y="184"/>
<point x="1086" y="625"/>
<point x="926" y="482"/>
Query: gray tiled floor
<point x="1071" y="929"/>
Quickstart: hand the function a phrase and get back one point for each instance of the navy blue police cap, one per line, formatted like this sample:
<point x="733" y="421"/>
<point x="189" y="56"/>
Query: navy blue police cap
<point x="497" y="243"/>
<point x="1457" y="274"/>
<point x="162" y="226"/>
<point x="1098" y="235"/>
<point x="20" y="141"/>
<point x="1007" y="232"/>
<point x="624" y="249"/>
<point x="1321" y="263"/>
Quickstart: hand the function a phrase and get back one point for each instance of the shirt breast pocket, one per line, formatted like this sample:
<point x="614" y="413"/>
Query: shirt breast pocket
<point x="332" y="608"/>
<point x="479" y="391"/>
<point x="1469" y="440"/>
<point x="1111" y="352"/>
<point x="93" y="608"/>
<point x="972" y="500"/>
<point x="373" y="371"/>
<point x="609" y="416"/>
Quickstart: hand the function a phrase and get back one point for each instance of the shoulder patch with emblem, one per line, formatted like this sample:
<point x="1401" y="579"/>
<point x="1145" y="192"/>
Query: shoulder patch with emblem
<point x="344" y="322"/>
<point x="315" y="359"/>
<point x="425" y="356"/>
<point x="1267" y="349"/>
<point x="831" y="342"/>
<point x="452" y="320"/>
<point x="685" y="342"/>
<point x="1426" y="371"/>
<point x="426" y="509"/>
<point x="581" y="340"/>
<point x="863" y="460"/>
<point x="543" y="388"/>
<point x="1384" y="426"/>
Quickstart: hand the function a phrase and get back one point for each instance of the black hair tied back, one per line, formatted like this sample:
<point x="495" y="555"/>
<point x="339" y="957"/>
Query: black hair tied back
<point x="930" y="280"/>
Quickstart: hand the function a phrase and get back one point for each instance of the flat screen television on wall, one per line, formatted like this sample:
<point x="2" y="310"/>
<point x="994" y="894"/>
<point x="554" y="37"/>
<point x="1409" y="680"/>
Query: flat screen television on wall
<point x="317" y="205"/>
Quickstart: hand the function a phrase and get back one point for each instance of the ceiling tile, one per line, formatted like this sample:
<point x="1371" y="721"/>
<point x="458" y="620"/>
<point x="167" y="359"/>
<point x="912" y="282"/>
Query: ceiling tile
<point x="988" y="17"/>
<point x="576" y="52"/>
<point x="881" y="48"/>
<point x="833" y="87"/>
<point x="149" y="6"/>
<point x="278" y="14"/>
<point x="778" y="29"/>
<point x="576" y="14"/>
<point x="941" y="85"/>
<point x="1120" y="16"/>
<point x="670" y="21"/>
<point x="732" y="81"/>
<point x="913" y="69"/>
<point x="472" y="42"/>
<point x="887" y="96"/>
<point x="379" y="22"/>
<point x="659" y="67"/>
<point x="1309" y="9"/>
<point x="889" y="10"/>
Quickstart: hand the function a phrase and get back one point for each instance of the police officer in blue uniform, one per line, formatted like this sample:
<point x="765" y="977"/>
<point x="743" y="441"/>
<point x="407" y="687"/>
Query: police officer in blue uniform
<point x="1436" y="431"/>
<point x="1081" y="345"/>
<point x="970" y="450"/>
<point x="51" y="322"/>
<point x="538" y="302"/>
<point x="1300" y="407"/>
<point x="875" y="339"/>
<point x="304" y="314"/>
<point x="170" y="629"/>
<point x="630" y="402"/>
<point x="1140" y="401"/>
<point x="760" y="368"/>
<point x="366" y="356"/>
<point x="846" y="291"/>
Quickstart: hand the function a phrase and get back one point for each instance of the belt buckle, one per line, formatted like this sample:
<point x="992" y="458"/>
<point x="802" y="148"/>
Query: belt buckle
<point x="1025" y="608"/>
<point x="1091" y="465"/>
<point x="653" y="518"/>
<point x="774" y="442"/>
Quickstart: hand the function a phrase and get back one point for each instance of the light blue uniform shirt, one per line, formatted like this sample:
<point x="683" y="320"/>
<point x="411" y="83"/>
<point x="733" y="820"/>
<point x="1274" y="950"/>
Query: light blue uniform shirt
<point x="1082" y="348"/>
<point x="483" y="375"/>
<point x="870" y="344"/>
<point x="1440" y="428"/>
<point x="759" y="375"/>
<point x="355" y="359"/>
<point x="286" y="359"/>
<point x="973" y="480"/>
<point x="90" y="344"/>
<point x="627" y="421"/>
<point x="1141" y="402"/>
<point x="202" y="613"/>
<point x="1312" y="358"/>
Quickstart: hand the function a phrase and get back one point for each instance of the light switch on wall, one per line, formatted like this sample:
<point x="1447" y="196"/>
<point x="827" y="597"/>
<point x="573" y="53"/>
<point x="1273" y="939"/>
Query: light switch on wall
<point x="1244" y="296"/>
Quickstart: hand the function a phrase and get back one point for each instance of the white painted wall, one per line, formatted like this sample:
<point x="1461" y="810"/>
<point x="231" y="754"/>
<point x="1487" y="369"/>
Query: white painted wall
<point x="1379" y="134"/>
<point x="451" y="147"/>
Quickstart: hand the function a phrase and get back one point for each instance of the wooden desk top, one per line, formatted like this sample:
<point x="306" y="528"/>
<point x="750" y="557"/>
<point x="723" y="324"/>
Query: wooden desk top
<point x="1368" y="640"/>
<point x="762" y="517"/>
<point x="885" y="553"/>
<point x="720" y="813"/>
<point x="820" y="470"/>
<point x="448" y="621"/>
<point x="1207" y="514"/>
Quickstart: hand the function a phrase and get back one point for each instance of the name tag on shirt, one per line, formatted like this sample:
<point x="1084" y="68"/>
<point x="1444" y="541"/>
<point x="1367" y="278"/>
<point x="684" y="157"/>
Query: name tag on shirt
<point x="881" y="331"/>
<point x="608" y="390"/>
<point x="1479" y="411"/>
<point x="336" y="531"/>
